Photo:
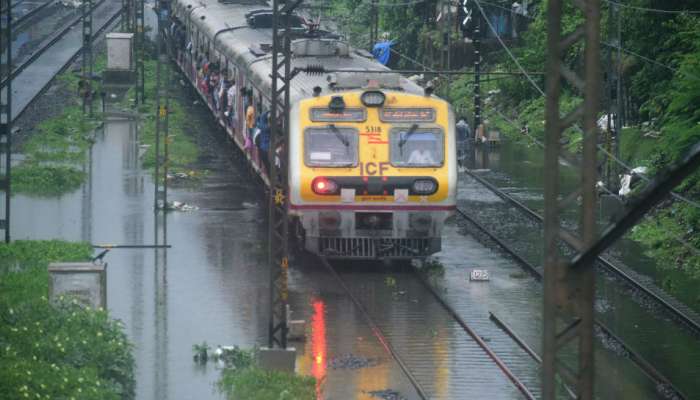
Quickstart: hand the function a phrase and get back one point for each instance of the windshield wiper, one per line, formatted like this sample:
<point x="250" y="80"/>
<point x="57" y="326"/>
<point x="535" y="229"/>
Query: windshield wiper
<point x="410" y="132"/>
<point x="339" y="135"/>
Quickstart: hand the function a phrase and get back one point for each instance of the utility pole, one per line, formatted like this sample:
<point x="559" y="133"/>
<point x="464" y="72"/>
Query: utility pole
<point x="6" y="111"/>
<point x="87" y="66"/>
<point x="162" y="111"/>
<point x="613" y="94"/>
<point x="278" y="228"/>
<point x="140" y="45"/>
<point x="127" y="23"/>
<point x="476" y="42"/>
<point x="620" y="109"/>
<point x="374" y="25"/>
<point x="569" y="292"/>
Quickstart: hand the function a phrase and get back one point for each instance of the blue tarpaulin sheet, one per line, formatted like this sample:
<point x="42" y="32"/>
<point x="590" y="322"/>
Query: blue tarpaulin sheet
<point x="382" y="51"/>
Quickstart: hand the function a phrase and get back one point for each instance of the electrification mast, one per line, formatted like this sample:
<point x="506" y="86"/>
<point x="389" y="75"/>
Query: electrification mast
<point x="568" y="292"/>
<point x="140" y="49"/>
<point x="278" y="234"/>
<point x="87" y="67"/>
<point x="162" y="104"/>
<point x="6" y="112"/>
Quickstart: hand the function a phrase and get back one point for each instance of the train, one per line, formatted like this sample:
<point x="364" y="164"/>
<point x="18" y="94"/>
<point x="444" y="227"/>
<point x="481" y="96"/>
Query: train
<point x="372" y="166"/>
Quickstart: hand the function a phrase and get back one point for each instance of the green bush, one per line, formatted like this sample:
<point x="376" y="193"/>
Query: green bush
<point x="46" y="180"/>
<point x="243" y="380"/>
<point x="61" y="350"/>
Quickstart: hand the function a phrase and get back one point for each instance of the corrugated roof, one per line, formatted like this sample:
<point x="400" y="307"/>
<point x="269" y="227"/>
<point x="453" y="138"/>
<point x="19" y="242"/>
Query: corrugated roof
<point x="235" y="38"/>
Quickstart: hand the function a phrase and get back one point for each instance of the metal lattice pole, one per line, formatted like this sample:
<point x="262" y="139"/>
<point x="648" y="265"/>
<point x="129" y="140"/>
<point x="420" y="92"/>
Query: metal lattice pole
<point x="278" y="251"/>
<point x="476" y="41"/>
<point x="569" y="293"/>
<point x="162" y="103"/>
<point x="374" y="25"/>
<point x="139" y="29"/>
<point x="6" y="112"/>
<point x="127" y="16"/>
<point x="87" y="65"/>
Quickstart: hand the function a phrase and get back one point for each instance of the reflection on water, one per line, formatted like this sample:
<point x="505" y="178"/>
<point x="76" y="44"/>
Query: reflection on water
<point x="318" y="345"/>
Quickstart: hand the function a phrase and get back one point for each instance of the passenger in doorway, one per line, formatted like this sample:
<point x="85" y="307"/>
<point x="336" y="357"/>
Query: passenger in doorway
<point x="230" y="112"/>
<point x="263" y="139"/>
<point x="421" y="156"/>
<point x="249" y="119"/>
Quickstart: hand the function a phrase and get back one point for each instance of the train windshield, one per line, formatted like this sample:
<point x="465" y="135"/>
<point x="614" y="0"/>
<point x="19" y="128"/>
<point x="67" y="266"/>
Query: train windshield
<point x="330" y="146"/>
<point x="417" y="147"/>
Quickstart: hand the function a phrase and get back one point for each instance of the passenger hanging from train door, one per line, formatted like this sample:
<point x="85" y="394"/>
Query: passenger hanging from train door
<point x="249" y="119"/>
<point x="230" y="112"/>
<point x="213" y="83"/>
<point x="262" y="139"/>
<point x="221" y="93"/>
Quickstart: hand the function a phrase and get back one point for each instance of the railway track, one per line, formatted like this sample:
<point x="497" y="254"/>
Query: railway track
<point x="683" y="315"/>
<point x="484" y="372"/>
<point x="67" y="46"/>
<point x="24" y="18"/>
<point x="663" y="384"/>
<point x="46" y="46"/>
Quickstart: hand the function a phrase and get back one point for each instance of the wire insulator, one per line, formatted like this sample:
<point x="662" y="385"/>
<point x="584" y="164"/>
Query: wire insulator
<point x="314" y="69"/>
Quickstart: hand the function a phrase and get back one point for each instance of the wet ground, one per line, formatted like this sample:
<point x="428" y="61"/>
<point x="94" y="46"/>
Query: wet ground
<point x="212" y="286"/>
<point x="647" y="329"/>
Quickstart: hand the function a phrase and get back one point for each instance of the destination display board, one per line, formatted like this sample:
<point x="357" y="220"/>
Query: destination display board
<point x="407" y="115"/>
<point x="345" y="115"/>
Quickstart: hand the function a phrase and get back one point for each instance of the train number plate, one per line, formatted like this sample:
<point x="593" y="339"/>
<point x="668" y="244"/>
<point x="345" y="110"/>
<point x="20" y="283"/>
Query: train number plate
<point x="479" y="275"/>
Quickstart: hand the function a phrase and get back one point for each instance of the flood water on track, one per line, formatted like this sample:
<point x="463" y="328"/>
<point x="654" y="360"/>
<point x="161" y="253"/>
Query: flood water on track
<point x="212" y="286"/>
<point x="208" y="287"/>
<point x="517" y="169"/>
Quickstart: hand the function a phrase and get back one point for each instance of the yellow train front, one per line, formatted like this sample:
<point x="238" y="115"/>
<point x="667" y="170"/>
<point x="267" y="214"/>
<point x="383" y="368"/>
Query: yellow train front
<point x="372" y="174"/>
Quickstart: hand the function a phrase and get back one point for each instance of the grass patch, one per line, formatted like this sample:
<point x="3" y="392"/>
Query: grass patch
<point x="57" y="148"/>
<point x="56" y="351"/>
<point x="182" y="149"/>
<point x="242" y="379"/>
<point x="46" y="180"/>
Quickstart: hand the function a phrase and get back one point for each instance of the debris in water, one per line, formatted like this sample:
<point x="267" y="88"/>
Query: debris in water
<point x="180" y="206"/>
<point x="201" y="352"/>
<point x="390" y="281"/>
<point x="249" y="205"/>
<point x="386" y="394"/>
<point x="349" y="361"/>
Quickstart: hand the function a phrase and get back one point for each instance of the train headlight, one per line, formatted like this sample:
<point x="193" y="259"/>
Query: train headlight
<point x="424" y="186"/>
<point x="324" y="186"/>
<point x="373" y="98"/>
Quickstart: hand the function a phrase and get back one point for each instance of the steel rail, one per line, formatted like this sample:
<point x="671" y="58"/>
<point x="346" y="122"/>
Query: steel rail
<point x="21" y="20"/>
<point x="682" y="316"/>
<point x="377" y="331"/>
<point x="26" y="63"/>
<point x="510" y="332"/>
<point x="70" y="61"/>
<point x="635" y="357"/>
<point x="494" y="357"/>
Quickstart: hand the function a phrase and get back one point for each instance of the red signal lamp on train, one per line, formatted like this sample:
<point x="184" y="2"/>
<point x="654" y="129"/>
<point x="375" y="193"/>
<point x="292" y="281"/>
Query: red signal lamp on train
<point x="324" y="186"/>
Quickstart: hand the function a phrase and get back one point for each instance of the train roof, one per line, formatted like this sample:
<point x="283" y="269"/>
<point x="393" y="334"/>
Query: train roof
<point x="249" y="48"/>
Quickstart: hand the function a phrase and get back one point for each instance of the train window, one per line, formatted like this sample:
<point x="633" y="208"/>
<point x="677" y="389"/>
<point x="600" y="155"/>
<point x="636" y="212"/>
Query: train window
<point x="330" y="146"/>
<point x="417" y="147"/>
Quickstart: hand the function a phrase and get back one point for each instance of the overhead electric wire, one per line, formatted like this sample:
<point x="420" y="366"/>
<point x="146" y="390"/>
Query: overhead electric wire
<point x="537" y="87"/>
<point x="681" y="240"/>
<point x="510" y="54"/>
<point x="656" y="10"/>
